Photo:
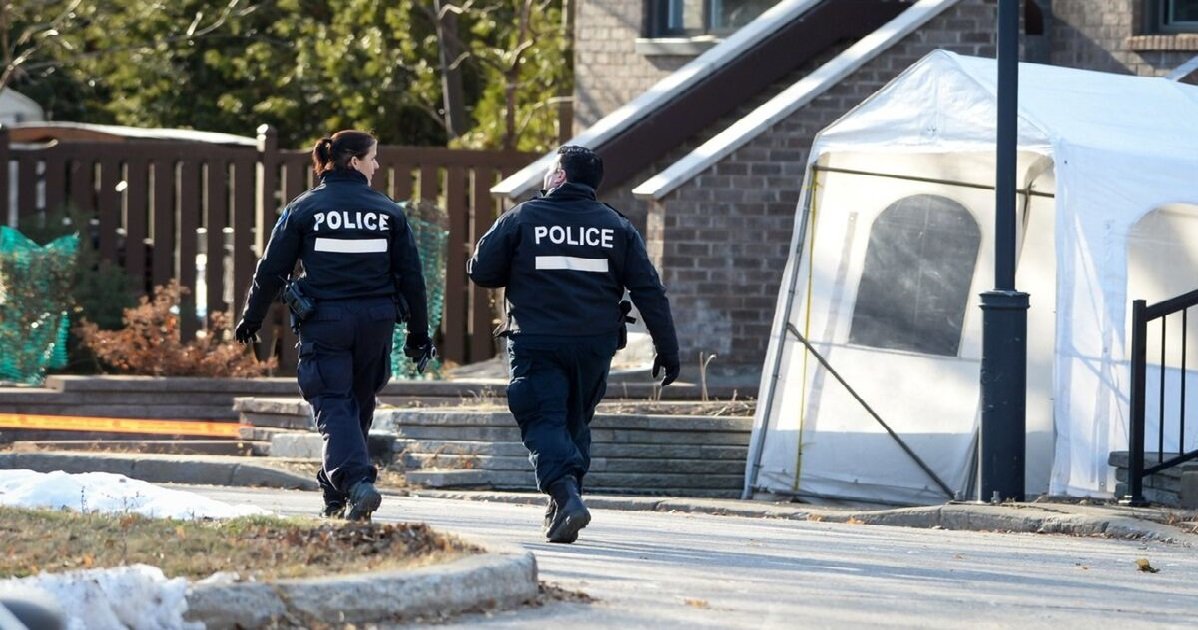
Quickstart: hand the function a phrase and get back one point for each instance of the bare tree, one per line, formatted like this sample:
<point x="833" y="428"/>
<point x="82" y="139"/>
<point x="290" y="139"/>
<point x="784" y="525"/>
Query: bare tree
<point x="506" y="61"/>
<point x="446" y="20"/>
<point x="31" y="40"/>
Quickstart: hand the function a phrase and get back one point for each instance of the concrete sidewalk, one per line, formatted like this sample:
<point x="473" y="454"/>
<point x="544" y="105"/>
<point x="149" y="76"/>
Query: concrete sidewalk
<point x="1044" y="517"/>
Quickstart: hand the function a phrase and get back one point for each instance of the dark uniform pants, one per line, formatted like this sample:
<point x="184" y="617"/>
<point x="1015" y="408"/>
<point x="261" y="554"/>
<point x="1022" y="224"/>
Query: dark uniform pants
<point x="344" y="360"/>
<point x="555" y="385"/>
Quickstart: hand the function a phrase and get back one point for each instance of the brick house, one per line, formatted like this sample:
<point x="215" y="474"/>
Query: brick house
<point x="704" y="111"/>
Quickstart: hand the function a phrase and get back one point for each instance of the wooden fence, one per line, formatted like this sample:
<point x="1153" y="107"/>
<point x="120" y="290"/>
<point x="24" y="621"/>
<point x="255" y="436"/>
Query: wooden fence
<point x="160" y="208"/>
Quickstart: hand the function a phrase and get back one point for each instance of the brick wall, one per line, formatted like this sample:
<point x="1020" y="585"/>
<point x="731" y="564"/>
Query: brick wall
<point x="608" y="71"/>
<point x="724" y="236"/>
<point x="1111" y="36"/>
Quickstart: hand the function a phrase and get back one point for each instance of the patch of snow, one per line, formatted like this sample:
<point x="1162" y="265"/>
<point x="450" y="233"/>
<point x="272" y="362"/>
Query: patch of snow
<point x="137" y="596"/>
<point x="108" y="492"/>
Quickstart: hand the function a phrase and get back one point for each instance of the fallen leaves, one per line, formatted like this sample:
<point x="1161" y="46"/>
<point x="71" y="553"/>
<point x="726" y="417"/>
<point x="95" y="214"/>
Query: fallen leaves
<point x="256" y="547"/>
<point x="696" y="603"/>
<point x="1143" y="565"/>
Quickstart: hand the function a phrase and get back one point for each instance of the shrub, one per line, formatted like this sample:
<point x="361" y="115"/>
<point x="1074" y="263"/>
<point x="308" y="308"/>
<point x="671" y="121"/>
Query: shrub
<point x="150" y="342"/>
<point x="100" y="290"/>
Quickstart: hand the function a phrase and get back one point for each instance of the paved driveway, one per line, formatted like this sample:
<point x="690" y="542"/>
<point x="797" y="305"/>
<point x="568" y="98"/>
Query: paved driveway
<point x="662" y="570"/>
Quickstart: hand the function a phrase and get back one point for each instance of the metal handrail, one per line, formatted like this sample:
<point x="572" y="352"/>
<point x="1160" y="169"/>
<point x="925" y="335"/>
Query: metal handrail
<point x="1142" y="314"/>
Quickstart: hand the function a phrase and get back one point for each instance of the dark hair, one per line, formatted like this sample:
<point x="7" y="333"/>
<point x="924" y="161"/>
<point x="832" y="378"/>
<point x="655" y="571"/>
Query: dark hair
<point x="581" y="165"/>
<point x="335" y="152"/>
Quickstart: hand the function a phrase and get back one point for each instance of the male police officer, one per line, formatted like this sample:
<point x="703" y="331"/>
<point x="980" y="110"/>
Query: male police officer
<point x="565" y="260"/>
<point x="362" y="274"/>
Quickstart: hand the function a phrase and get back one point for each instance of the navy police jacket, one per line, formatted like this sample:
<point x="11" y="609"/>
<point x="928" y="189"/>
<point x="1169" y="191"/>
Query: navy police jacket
<point x="565" y="260"/>
<point x="352" y="241"/>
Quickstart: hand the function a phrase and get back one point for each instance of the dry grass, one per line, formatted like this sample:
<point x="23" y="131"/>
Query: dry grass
<point x="744" y="407"/>
<point x="258" y="547"/>
<point x="738" y="408"/>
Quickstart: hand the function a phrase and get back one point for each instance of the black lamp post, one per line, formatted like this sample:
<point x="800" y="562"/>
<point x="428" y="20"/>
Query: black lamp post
<point x="1002" y="445"/>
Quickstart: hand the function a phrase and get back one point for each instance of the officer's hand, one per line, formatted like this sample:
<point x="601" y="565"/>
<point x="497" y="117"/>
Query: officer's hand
<point x="420" y="351"/>
<point x="670" y="364"/>
<point x="247" y="332"/>
<point x="414" y="346"/>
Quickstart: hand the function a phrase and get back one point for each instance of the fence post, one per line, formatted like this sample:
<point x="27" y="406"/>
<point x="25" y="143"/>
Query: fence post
<point x="1139" y="368"/>
<point x="5" y="199"/>
<point x="274" y="327"/>
<point x="268" y="184"/>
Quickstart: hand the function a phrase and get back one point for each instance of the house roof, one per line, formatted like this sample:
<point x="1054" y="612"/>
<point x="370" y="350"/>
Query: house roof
<point x="713" y="84"/>
<point x="791" y="99"/>
<point x="46" y="131"/>
<point x="21" y="101"/>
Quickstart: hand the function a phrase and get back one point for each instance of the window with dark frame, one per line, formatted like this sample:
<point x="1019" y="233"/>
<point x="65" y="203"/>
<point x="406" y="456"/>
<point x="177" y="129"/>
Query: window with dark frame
<point x="919" y="266"/>
<point x="690" y="18"/>
<point x="1173" y="16"/>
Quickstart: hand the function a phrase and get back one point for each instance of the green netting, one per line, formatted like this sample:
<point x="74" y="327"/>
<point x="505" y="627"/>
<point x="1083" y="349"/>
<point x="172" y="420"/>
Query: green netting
<point x="35" y="295"/>
<point x="429" y="225"/>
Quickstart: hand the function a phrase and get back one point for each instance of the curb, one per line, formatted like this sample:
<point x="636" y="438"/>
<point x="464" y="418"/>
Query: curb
<point x="503" y="576"/>
<point x="211" y="470"/>
<point x="1037" y="518"/>
<point x="1032" y="519"/>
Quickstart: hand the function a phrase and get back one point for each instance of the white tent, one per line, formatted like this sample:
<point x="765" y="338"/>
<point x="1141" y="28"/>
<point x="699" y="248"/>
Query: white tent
<point x="894" y="241"/>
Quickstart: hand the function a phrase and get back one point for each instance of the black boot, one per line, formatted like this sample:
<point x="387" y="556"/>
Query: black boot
<point x="571" y="515"/>
<point x="333" y="510"/>
<point x="364" y="499"/>
<point x="550" y="510"/>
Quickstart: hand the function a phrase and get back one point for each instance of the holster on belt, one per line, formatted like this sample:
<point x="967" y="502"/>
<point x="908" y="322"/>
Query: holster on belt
<point x="625" y="320"/>
<point x="300" y="305"/>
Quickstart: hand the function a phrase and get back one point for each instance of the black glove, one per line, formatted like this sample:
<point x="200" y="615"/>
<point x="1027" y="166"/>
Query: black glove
<point x="420" y="350"/>
<point x="670" y="364"/>
<point x="247" y="331"/>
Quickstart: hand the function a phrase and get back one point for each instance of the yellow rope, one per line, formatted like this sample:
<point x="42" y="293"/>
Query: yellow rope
<point x="813" y="192"/>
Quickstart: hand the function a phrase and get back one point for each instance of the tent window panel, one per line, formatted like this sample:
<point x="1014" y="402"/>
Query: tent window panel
<point x="918" y="269"/>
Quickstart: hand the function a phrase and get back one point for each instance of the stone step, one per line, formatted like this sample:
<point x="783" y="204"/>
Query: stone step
<point x="1175" y="487"/>
<point x="278" y="421"/>
<point x="308" y="445"/>
<point x="460" y="447"/>
<point x="42" y="397"/>
<point x="1159" y="481"/>
<point x="156" y="411"/>
<point x="463" y="418"/>
<point x="453" y="478"/>
<point x="267" y="434"/>
<point x="1121" y="460"/>
<point x="442" y="461"/>
<point x="625" y="436"/>
<point x="212" y="398"/>
<point x="598" y="464"/>
<point x="656" y="483"/>
<point x="39" y="435"/>
<point x="603" y="449"/>
<point x="1152" y="495"/>
<point x="158" y="447"/>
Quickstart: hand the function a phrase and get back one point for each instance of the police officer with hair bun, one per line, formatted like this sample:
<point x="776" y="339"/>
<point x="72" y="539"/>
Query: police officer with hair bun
<point x="565" y="260"/>
<point x="361" y="276"/>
